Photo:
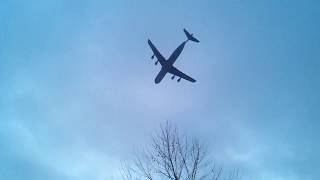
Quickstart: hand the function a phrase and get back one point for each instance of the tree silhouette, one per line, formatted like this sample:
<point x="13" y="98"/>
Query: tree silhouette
<point x="173" y="156"/>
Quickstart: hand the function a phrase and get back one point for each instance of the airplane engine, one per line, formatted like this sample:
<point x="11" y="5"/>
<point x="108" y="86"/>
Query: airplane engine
<point x="172" y="77"/>
<point x="179" y="80"/>
<point x="152" y="56"/>
<point x="156" y="63"/>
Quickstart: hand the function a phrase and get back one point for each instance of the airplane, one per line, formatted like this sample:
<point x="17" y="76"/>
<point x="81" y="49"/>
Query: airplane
<point x="167" y="64"/>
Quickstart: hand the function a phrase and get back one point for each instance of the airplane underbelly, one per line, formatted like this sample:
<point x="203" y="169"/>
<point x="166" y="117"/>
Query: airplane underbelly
<point x="160" y="76"/>
<point x="174" y="56"/>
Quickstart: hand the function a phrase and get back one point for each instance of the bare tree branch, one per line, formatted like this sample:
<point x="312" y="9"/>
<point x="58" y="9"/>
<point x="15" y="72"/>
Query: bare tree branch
<point x="174" y="157"/>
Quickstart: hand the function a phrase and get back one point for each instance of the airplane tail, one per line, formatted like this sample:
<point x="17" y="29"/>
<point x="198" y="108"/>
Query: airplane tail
<point x="190" y="36"/>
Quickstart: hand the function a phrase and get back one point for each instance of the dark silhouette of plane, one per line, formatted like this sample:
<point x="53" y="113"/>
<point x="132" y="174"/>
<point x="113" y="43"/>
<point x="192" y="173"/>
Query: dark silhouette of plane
<point x="167" y="65"/>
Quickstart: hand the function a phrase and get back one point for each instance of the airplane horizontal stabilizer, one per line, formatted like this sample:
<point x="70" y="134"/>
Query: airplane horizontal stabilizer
<point x="190" y="36"/>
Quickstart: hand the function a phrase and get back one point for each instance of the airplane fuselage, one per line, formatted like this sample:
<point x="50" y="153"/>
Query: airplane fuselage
<point x="168" y="64"/>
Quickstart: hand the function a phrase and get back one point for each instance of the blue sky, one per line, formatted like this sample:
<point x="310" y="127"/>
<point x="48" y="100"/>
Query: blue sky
<point x="77" y="92"/>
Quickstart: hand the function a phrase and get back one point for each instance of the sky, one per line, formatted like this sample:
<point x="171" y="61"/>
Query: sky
<point x="77" y="92"/>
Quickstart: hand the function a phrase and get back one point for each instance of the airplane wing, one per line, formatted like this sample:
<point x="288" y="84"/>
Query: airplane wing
<point x="176" y="72"/>
<point x="160" y="58"/>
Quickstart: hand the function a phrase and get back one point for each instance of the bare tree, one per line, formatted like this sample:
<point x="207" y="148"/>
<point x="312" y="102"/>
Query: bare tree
<point x="174" y="157"/>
